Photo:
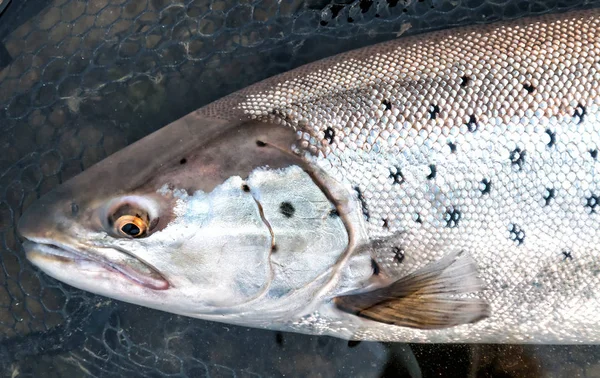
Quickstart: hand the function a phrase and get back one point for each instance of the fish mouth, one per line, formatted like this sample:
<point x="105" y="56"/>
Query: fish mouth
<point x="127" y="266"/>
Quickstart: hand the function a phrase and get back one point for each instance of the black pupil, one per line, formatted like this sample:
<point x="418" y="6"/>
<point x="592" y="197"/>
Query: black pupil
<point x="131" y="229"/>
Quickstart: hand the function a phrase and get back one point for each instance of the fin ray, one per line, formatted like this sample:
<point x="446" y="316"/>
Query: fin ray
<point x="439" y="295"/>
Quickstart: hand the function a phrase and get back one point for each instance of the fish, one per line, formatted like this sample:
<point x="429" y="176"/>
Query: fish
<point x="440" y="187"/>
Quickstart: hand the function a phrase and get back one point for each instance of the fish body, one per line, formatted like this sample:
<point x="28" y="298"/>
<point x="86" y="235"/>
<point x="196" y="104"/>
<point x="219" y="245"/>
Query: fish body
<point x="442" y="187"/>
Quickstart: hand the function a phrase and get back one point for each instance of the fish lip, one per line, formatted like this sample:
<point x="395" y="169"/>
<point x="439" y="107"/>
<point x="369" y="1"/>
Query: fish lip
<point x="154" y="280"/>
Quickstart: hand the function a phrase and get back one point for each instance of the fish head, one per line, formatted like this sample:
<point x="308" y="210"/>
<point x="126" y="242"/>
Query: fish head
<point x="202" y="217"/>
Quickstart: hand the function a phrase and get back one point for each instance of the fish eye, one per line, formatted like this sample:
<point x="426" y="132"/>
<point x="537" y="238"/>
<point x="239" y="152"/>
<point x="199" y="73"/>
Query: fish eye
<point x="131" y="226"/>
<point x="130" y="222"/>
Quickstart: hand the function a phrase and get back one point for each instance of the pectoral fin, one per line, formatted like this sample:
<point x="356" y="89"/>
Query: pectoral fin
<point x="439" y="295"/>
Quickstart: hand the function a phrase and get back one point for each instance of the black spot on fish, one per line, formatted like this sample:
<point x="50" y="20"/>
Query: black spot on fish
<point x="386" y="224"/>
<point x="516" y="234"/>
<point x="329" y="134"/>
<point x="549" y="195"/>
<point x="567" y="255"/>
<point x="274" y="248"/>
<point x="392" y="3"/>
<point x="387" y="104"/>
<point x="334" y="213"/>
<point x="529" y="88"/>
<point x="246" y="188"/>
<point x="486" y="186"/>
<point x="323" y="23"/>
<point x="594" y="154"/>
<point x="432" y="172"/>
<point x="398" y="255"/>
<point x="580" y="113"/>
<point x="363" y="203"/>
<point x="375" y="267"/>
<point x="418" y="218"/>
<point x="517" y="157"/>
<point x="472" y="123"/>
<point x="377" y="15"/>
<point x="183" y="161"/>
<point x="279" y="338"/>
<point x="552" y="136"/>
<point x="287" y="209"/>
<point x="260" y="143"/>
<point x="74" y="208"/>
<point x="397" y="176"/>
<point x="434" y="110"/>
<point x="365" y="5"/>
<point x="350" y="19"/>
<point x="353" y="343"/>
<point x="464" y="81"/>
<point x="452" y="147"/>
<point x="452" y="217"/>
<point x="592" y="202"/>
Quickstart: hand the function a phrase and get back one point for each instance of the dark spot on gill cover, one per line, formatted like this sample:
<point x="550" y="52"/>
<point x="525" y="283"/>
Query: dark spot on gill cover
<point x="432" y="172"/>
<point x="274" y="248"/>
<point x="375" y="267"/>
<point x="434" y="111"/>
<point x="246" y="188"/>
<point x="260" y="143"/>
<point x="287" y="209"/>
<point x="552" y="137"/>
<point x="334" y="213"/>
<point x="183" y="161"/>
<point x="387" y="104"/>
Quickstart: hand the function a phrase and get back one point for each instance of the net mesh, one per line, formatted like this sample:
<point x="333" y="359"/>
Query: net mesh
<point x="80" y="80"/>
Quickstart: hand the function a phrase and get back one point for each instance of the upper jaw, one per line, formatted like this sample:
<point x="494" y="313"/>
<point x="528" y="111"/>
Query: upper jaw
<point x="126" y="265"/>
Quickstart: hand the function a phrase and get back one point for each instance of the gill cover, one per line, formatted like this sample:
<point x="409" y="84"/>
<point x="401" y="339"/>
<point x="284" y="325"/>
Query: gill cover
<point x="204" y="216"/>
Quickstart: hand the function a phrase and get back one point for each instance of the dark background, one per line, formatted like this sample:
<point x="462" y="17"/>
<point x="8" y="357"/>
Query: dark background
<point x="80" y="80"/>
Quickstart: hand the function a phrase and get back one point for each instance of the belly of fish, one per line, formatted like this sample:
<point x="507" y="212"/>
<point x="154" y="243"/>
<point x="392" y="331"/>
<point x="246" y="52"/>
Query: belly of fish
<point x="485" y="140"/>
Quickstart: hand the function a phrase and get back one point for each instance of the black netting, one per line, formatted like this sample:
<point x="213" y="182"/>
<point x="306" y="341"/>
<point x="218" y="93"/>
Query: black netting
<point x="81" y="79"/>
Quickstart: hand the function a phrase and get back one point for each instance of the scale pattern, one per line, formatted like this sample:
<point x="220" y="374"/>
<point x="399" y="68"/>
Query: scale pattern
<point x="483" y="139"/>
<point x="80" y="80"/>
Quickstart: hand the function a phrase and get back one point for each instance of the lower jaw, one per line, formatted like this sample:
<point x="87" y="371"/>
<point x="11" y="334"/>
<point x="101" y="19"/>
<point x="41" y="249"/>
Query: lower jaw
<point x="41" y="254"/>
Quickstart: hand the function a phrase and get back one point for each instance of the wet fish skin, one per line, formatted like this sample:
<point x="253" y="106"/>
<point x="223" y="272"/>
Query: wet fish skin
<point x="479" y="140"/>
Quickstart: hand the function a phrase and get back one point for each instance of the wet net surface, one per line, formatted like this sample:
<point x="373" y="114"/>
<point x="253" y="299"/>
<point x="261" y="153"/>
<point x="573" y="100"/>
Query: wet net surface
<point x="80" y="80"/>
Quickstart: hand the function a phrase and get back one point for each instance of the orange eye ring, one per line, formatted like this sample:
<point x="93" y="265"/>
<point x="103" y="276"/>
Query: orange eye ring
<point x="131" y="226"/>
